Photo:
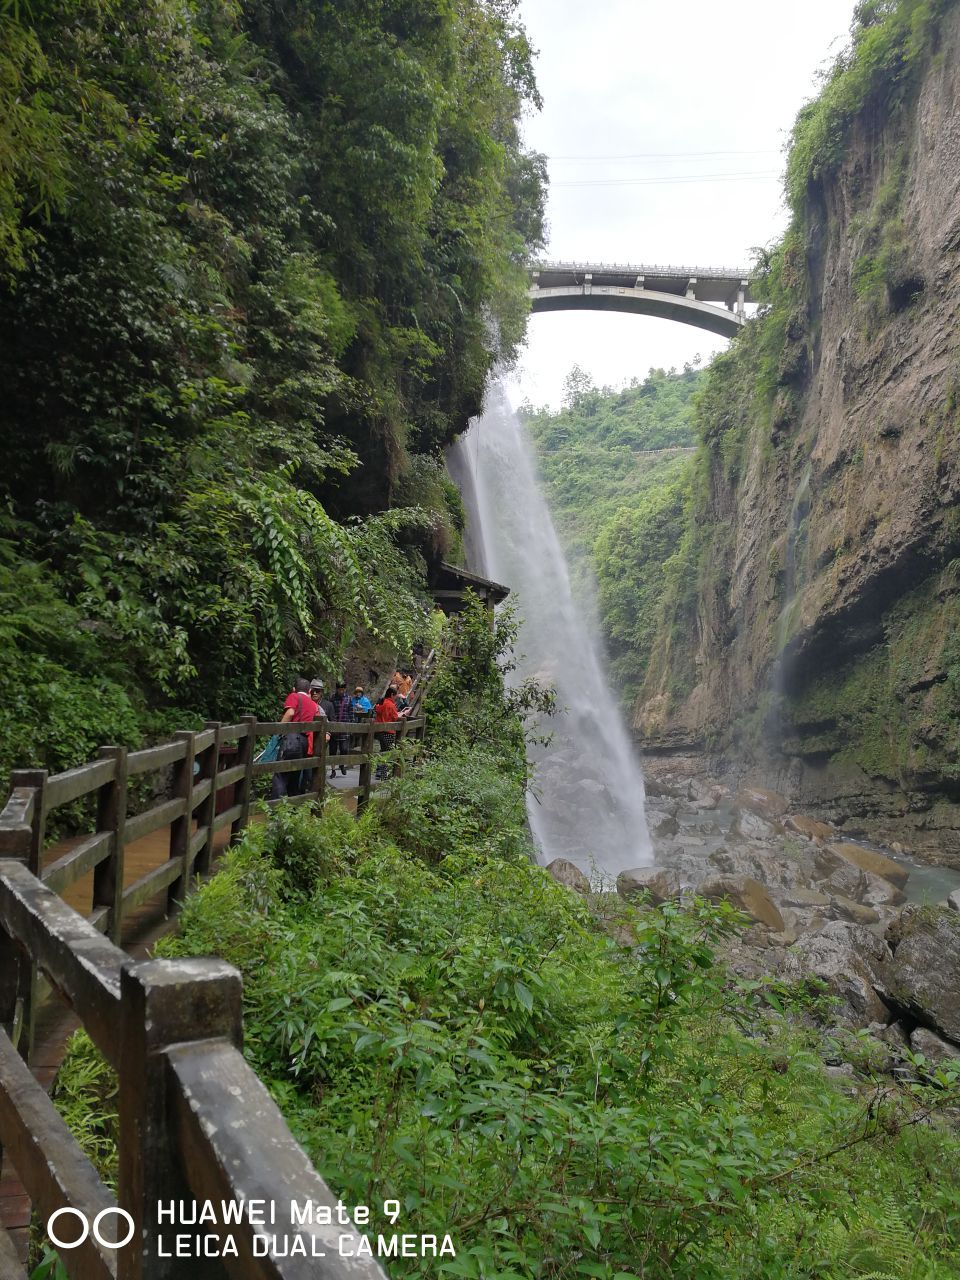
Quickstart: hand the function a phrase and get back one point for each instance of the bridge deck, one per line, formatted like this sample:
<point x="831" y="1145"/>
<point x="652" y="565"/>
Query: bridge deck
<point x="705" y="284"/>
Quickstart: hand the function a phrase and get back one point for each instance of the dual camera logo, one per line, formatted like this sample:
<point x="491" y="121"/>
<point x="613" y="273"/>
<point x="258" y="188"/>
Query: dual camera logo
<point x="87" y="1228"/>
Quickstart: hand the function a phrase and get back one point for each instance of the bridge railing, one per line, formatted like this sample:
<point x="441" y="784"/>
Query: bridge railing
<point x="194" y="1120"/>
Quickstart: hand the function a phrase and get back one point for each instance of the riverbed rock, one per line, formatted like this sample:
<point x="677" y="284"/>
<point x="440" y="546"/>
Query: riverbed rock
<point x="768" y="866"/>
<point x="933" y="1047"/>
<point x="667" y="826"/>
<point x="880" y="893"/>
<point x="567" y="873"/>
<point x="751" y="826"/>
<point x="764" y="803"/>
<point x="923" y="975"/>
<point x="800" y="897"/>
<point x="809" y="828"/>
<point x="871" y="860"/>
<point x="845" y="880"/>
<point x="747" y="895"/>
<point x="661" y="883"/>
<point x="953" y="900"/>
<point x="855" y="911"/>
<point x="849" y="958"/>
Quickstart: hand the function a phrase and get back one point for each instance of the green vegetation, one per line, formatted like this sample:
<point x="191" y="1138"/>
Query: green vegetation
<point x="256" y="263"/>
<point x="570" y="1088"/>
<point x="890" y="40"/>
<point x="617" y="501"/>
<point x="894" y="711"/>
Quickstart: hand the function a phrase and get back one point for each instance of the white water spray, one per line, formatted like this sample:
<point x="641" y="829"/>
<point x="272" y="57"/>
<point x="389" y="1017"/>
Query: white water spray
<point x="589" y="801"/>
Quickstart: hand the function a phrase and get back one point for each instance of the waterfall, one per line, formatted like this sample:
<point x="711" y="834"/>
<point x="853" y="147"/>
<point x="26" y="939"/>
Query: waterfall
<point x="588" y="800"/>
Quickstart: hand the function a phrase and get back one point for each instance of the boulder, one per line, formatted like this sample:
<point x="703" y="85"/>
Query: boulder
<point x="849" y="958"/>
<point x="803" y="898"/>
<point x="567" y="873"/>
<point x="667" y="826"/>
<point x="953" y="900"/>
<point x="879" y="892"/>
<point x="767" y="804"/>
<point x="762" y="864"/>
<point x="877" y="864"/>
<point x="751" y="826"/>
<point x="893" y="1036"/>
<point x="747" y="895"/>
<point x="933" y="1047"/>
<point x="854" y="911"/>
<point x="923" y="975"/>
<point x="661" y="883"/>
<point x="845" y="880"/>
<point x="809" y="828"/>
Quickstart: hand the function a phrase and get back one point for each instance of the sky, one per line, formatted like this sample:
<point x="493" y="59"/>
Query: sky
<point x="665" y="122"/>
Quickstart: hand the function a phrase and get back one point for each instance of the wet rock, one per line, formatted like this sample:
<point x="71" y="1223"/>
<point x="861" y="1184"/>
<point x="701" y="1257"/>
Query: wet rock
<point x="661" y="883"/>
<point x="766" y="804"/>
<point x="855" y="911"/>
<point x="752" y="826"/>
<point x="933" y="1047"/>
<point x="809" y="828"/>
<point x="668" y="826"/>
<point x="568" y="874"/>
<point x="747" y="895"/>
<point x="877" y="864"/>
<point x="923" y="976"/>
<point x="849" y="958"/>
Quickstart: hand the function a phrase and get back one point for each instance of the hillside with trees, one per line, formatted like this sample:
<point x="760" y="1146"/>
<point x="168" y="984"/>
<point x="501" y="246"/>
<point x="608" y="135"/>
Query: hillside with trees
<point x="256" y="263"/>
<point x="615" y="465"/>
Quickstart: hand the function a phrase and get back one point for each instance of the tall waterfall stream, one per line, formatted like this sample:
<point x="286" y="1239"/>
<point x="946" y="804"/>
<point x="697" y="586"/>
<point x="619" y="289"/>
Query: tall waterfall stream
<point x="588" y="799"/>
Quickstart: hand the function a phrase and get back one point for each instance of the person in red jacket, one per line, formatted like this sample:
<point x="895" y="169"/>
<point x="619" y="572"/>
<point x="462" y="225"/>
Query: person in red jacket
<point x="301" y="709"/>
<point x="385" y="712"/>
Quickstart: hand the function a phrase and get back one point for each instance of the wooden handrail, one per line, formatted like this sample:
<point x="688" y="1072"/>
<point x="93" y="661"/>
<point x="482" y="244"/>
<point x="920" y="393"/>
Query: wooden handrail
<point x="136" y="1015"/>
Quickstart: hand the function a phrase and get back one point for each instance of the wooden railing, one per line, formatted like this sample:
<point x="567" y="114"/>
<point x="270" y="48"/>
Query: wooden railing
<point x="195" y="1122"/>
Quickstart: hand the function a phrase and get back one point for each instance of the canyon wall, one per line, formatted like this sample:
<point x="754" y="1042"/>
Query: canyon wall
<point x="811" y="629"/>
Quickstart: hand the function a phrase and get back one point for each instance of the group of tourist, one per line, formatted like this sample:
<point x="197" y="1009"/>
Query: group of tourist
<point x="308" y="702"/>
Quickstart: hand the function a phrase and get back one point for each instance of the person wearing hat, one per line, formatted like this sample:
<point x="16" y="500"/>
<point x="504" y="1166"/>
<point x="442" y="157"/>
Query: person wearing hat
<point x="342" y="714"/>
<point x="317" y="694"/>
<point x="362" y="706"/>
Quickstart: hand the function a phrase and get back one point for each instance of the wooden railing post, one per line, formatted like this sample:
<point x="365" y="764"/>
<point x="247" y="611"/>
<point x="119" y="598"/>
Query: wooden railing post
<point x="181" y="829"/>
<point x="209" y="763"/>
<point x="320" y="774"/>
<point x="25" y="1012"/>
<point x="244" y="792"/>
<point x="17" y="972"/>
<point x="365" y="768"/>
<point x="163" y="1002"/>
<point x="112" y="817"/>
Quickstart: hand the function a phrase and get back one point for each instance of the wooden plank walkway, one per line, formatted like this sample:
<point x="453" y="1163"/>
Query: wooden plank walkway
<point x="56" y="1022"/>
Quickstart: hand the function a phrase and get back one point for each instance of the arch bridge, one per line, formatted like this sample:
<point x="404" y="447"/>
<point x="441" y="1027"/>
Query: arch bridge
<point x="711" y="298"/>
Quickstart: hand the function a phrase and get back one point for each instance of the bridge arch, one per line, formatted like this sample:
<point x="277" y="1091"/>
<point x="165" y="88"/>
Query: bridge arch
<point x="709" y="298"/>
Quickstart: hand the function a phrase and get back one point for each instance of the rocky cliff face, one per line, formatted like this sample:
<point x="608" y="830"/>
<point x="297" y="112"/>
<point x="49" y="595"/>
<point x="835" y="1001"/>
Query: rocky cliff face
<point x="820" y="650"/>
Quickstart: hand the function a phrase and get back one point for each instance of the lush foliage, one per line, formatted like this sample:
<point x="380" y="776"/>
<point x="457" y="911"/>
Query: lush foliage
<point x="889" y="40"/>
<point x="569" y="1087"/>
<point x="257" y="262"/>
<point x="443" y="1024"/>
<point x="615" y="465"/>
